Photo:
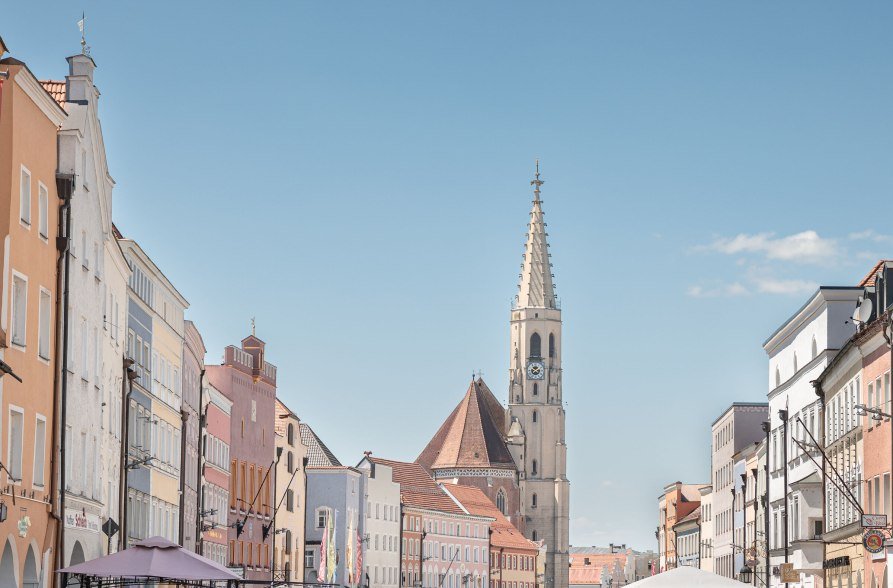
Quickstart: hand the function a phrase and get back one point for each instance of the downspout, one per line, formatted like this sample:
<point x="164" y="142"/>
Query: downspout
<point x="767" y="427"/>
<point x="199" y="483"/>
<point x="399" y="544"/>
<point x="63" y="243"/>
<point x="184" y="418"/>
<point x="126" y="391"/>
<point x="754" y="474"/>
<point x="783" y="415"/>
<point x="817" y="386"/>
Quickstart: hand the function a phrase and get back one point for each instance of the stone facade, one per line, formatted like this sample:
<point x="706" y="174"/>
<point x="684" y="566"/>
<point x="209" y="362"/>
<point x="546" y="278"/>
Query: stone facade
<point x="536" y="414"/>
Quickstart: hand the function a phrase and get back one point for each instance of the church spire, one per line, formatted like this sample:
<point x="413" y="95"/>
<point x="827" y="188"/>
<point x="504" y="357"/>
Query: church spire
<point x="536" y="288"/>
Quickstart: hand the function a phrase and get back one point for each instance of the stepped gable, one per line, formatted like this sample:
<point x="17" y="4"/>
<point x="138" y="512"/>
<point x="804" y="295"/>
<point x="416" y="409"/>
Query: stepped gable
<point x="472" y="436"/>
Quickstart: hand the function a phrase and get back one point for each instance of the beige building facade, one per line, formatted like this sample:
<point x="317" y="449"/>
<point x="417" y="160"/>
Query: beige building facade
<point x="291" y="484"/>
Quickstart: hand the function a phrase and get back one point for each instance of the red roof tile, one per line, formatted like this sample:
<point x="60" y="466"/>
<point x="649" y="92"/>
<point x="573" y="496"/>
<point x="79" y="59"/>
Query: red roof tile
<point x="476" y="502"/>
<point x="473" y="436"/>
<point x="55" y="89"/>
<point x="417" y="488"/>
<point x="868" y="280"/>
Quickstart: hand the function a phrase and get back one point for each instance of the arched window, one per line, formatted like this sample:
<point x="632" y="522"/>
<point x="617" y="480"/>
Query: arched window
<point x="795" y="362"/>
<point x="533" y="500"/>
<point x="535" y="415"/>
<point x="500" y="501"/>
<point x="551" y="345"/>
<point x="291" y="434"/>
<point x="533" y="468"/>
<point x="290" y="462"/>
<point x="777" y="378"/>
<point x="535" y="350"/>
<point x="815" y="347"/>
<point x="534" y="536"/>
<point x="288" y="541"/>
<point x="536" y="389"/>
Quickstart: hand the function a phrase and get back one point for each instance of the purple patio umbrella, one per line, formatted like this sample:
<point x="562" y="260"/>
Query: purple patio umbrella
<point x="154" y="558"/>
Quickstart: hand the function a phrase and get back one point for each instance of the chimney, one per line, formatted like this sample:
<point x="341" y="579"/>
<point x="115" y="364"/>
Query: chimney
<point x="79" y="81"/>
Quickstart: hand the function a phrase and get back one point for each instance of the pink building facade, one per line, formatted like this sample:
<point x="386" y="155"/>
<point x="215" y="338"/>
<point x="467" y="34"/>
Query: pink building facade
<point x="214" y="496"/>
<point x="249" y="381"/>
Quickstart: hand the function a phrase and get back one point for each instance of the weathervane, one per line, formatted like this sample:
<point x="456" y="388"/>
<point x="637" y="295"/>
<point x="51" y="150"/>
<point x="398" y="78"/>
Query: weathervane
<point x="252" y="327"/>
<point x="537" y="182"/>
<point x="82" y="26"/>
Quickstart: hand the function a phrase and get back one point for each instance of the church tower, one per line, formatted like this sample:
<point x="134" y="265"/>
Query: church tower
<point x="536" y="413"/>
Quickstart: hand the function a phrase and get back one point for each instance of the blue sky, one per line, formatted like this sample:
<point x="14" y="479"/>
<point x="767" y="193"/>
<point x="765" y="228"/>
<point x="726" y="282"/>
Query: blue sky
<point x="355" y="175"/>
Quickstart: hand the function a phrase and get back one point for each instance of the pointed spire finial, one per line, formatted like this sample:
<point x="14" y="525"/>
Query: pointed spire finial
<point x="537" y="182"/>
<point x="252" y="327"/>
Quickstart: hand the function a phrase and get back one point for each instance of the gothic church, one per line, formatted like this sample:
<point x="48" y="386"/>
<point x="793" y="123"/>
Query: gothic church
<point x="518" y="456"/>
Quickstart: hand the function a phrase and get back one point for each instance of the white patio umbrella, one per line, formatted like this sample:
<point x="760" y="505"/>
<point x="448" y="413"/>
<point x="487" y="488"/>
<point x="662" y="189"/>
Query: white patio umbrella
<point x="686" y="576"/>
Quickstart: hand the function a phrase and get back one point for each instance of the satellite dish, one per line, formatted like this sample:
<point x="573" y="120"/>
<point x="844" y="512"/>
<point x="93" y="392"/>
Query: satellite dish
<point x="863" y="313"/>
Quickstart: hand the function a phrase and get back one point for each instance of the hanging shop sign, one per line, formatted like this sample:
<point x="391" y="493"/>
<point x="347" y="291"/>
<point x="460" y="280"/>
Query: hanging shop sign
<point x="788" y="573"/>
<point x="836" y="562"/>
<point x="873" y="541"/>
<point x="874" y="521"/>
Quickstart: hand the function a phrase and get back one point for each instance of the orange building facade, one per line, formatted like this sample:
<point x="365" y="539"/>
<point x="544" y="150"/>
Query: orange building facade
<point x="29" y="120"/>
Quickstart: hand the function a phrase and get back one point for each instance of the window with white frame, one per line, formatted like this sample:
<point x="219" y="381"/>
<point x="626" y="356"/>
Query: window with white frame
<point x="25" y="197"/>
<point x="16" y="440"/>
<point x="40" y="429"/>
<point x="44" y="325"/>
<point x="43" y="220"/>
<point x="19" y="308"/>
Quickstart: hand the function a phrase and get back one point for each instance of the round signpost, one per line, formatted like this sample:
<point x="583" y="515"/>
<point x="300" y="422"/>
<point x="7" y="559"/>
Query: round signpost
<point x="873" y="541"/>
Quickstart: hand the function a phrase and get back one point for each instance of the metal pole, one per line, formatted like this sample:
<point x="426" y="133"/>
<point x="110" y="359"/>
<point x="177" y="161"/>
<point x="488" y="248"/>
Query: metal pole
<point x="783" y="415"/>
<point x="754" y="474"/>
<point x="767" y="427"/>
<point x="732" y="568"/>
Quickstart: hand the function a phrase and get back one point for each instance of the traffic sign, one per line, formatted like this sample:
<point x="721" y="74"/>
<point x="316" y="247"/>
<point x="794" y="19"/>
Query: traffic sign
<point x="110" y="527"/>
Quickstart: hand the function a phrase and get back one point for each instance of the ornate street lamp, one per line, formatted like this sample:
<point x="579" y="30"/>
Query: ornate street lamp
<point x="745" y="575"/>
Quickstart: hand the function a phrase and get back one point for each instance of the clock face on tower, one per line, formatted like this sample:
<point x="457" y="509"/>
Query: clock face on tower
<point x="536" y="370"/>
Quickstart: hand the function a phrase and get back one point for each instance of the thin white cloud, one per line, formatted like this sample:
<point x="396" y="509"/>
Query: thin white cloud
<point x="804" y="247"/>
<point x="870" y="235"/>
<point x="786" y="287"/>
<point x="733" y="289"/>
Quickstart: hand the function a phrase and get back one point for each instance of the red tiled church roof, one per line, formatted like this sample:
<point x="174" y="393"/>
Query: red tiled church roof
<point x="472" y="436"/>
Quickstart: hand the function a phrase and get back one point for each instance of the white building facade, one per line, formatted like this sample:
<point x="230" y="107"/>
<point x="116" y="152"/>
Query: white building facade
<point x="96" y="312"/>
<point x="798" y="353"/>
<point x="706" y="539"/>
<point x="737" y="427"/>
<point x="383" y="546"/>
